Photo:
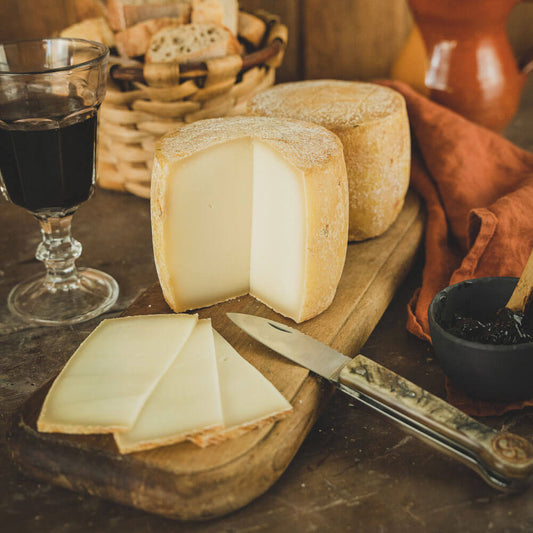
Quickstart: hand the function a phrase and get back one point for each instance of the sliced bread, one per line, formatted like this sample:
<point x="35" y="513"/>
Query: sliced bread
<point x="207" y="11"/>
<point x="125" y="13"/>
<point x="222" y="12"/>
<point x="134" y="41"/>
<point x="191" y="43"/>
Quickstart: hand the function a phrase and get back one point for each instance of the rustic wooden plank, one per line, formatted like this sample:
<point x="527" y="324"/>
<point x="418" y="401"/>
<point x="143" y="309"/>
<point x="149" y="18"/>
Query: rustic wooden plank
<point x="353" y="39"/>
<point x="186" y="482"/>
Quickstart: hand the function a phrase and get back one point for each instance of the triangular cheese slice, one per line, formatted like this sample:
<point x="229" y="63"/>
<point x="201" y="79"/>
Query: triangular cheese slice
<point x="185" y="402"/>
<point x="106" y="382"/>
<point x="248" y="399"/>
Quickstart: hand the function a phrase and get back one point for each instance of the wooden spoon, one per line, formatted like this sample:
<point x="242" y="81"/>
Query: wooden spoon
<point x="522" y="293"/>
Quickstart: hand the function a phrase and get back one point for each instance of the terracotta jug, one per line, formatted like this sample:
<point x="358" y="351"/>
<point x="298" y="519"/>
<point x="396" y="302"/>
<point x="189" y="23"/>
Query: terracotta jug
<point x="469" y="64"/>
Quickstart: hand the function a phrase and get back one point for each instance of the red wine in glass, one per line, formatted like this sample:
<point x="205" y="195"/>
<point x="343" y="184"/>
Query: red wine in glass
<point x="47" y="161"/>
<point x="50" y="92"/>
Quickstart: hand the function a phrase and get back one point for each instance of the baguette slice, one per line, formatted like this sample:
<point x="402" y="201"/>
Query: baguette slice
<point x="248" y="399"/>
<point x="134" y="41"/>
<point x="125" y="13"/>
<point x="191" y="43"/>
<point x="106" y="382"/>
<point x="93" y="29"/>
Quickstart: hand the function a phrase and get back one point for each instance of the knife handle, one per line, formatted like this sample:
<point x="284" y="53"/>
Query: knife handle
<point x="504" y="460"/>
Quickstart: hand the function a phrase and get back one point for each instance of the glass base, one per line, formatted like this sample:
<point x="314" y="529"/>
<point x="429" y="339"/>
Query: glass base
<point x="90" y="294"/>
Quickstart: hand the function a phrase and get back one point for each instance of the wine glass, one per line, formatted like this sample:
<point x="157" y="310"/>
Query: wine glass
<point x="50" y="92"/>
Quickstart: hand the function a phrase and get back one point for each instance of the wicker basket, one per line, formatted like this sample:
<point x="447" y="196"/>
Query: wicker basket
<point x="144" y="102"/>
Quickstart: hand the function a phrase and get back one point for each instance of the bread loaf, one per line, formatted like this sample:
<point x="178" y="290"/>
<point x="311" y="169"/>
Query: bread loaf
<point x="125" y="13"/>
<point x="134" y="41"/>
<point x="191" y="43"/>
<point x="371" y="121"/>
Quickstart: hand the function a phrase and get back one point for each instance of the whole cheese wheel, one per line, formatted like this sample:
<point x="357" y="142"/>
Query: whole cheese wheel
<point x="371" y="121"/>
<point x="250" y="205"/>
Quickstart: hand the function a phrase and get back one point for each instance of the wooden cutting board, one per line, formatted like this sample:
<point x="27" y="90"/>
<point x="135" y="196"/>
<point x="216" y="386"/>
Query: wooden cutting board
<point x="189" y="483"/>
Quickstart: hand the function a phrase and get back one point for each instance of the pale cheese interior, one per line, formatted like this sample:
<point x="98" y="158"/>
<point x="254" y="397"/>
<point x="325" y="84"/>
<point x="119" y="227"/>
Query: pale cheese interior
<point x="235" y="224"/>
<point x="247" y="398"/>
<point x="106" y="382"/>
<point x="186" y="400"/>
<point x="157" y="380"/>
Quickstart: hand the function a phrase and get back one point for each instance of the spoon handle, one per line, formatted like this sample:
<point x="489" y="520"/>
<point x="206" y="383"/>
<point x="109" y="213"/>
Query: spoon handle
<point x="503" y="460"/>
<point x="522" y="291"/>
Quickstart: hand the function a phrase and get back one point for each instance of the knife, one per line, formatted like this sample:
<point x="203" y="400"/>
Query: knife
<point x="504" y="460"/>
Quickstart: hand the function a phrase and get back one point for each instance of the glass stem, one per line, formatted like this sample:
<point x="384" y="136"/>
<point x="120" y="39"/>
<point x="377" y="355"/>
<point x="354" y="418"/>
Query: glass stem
<point x="58" y="251"/>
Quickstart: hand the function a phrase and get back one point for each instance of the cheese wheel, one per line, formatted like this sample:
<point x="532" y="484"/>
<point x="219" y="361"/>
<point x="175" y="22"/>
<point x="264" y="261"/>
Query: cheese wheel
<point x="371" y="121"/>
<point x="250" y="205"/>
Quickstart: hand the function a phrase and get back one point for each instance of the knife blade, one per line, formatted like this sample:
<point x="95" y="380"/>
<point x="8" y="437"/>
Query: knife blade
<point x="504" y="460"/>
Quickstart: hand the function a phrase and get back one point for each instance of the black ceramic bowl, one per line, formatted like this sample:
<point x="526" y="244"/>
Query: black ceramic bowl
<point x="484" y="371"/>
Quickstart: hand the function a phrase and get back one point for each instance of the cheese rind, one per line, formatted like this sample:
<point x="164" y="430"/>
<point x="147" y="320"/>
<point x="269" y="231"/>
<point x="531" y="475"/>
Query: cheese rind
<point x="372" y="123"/>
<point x="105" y="383"/>
<point x="309" y="164"/>
<point x="186" y="400"/>
<point x="248" y="399"/>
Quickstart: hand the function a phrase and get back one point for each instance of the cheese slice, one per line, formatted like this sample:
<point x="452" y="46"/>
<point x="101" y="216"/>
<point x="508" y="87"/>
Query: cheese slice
<point x="250" y="204"/>
<point x="104" y="385"/>
<point x="372" y="123"/>
<point x="186" y="400"/>
<point x="248" y="399"/>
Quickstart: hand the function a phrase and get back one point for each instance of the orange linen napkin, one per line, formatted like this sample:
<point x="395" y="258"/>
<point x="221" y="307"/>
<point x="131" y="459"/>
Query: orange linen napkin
<point x="478" y="191"/>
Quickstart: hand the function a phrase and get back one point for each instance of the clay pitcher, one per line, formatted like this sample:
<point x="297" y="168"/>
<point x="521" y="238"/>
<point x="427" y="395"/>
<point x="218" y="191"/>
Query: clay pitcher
<point x="470" y="65"/>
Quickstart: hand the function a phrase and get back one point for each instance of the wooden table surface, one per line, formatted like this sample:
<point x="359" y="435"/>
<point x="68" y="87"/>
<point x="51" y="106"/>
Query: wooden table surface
<point x="355" y="471"/>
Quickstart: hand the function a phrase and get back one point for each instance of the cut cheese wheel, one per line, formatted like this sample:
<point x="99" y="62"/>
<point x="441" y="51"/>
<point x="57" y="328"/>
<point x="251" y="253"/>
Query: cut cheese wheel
<point x="186" y="400"/>
<point x="252" y="205"/>
<point x="248" y="399"/>
<point x="108" y="379"/>
<point x="371" y="121"/>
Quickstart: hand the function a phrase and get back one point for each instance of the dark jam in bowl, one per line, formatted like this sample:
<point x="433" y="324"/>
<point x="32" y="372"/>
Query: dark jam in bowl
<point x="506" y="327"/>
<point x="47" y="160"/>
